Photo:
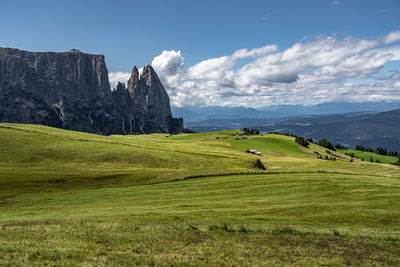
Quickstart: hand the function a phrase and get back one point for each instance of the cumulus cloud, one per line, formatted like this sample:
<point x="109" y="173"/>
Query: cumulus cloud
<point x="119" y="76"/>
<point x="168" y="63"/>
<point x="322" y="69"/>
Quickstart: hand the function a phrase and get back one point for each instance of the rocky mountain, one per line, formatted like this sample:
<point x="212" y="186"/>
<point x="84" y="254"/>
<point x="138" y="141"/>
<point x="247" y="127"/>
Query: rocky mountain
<point x="144" y="104"/>
<point x="71" y="90"/>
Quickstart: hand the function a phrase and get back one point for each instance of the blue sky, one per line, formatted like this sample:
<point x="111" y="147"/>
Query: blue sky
<point x="135" y="32"/>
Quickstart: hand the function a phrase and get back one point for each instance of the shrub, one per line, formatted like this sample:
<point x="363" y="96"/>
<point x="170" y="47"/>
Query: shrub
<point x="258" y="164"/>
<point x="336" y="232"/>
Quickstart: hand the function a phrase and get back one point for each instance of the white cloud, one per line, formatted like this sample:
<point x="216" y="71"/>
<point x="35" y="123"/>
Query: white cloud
<point x="119" y="76"/>
<point x="393" y="51"/>
<point x="392" y="37"/>
<point x="168" y="63"/>
<point x="169" y="67"/>
<point x="323" y="69"/>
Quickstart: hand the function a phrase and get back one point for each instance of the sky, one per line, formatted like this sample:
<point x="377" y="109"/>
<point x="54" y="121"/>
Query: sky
<point x="250" y="53"/>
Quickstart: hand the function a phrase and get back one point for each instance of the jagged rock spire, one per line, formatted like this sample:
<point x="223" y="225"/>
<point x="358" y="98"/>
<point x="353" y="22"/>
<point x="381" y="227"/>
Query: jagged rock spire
<point x="82" y="99"/>
<point x="149" y="76"/>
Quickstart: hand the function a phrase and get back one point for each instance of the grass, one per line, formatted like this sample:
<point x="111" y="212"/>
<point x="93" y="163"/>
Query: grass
<point x="368" y="155"/>
<point x="71" y="198"/>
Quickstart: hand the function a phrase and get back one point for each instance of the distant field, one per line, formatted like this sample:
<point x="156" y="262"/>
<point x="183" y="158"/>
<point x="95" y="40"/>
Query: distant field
<point x="70" y="198"/>
<point x="368" y="155"/>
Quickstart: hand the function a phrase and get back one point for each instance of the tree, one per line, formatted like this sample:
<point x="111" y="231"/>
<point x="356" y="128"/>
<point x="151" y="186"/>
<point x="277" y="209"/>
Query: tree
<point x="248" y="131"/>
<point x="301" y="141"/>
<point x="381" y="151"/>
<point x="340" y="146"/>
<point x="325" y="143"/>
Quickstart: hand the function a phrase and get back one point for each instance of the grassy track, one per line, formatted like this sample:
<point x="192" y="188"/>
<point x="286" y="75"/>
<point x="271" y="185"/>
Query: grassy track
<point x="70" y="198"/>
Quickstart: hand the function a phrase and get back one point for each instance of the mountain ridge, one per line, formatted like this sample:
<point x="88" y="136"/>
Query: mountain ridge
<point x="196" y="114"/>
<point x="71" y="90"/>
<point x="373" y="130"/>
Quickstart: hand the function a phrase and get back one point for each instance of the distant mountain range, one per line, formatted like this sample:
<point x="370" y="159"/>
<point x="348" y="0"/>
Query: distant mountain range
<point x="196" y="114"/>
<point x="374" y="129"/>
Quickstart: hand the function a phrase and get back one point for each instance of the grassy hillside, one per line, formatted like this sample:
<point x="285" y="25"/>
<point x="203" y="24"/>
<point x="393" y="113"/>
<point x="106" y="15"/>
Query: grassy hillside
<point x="71" y="198"/>
<point x="368" y="155"/>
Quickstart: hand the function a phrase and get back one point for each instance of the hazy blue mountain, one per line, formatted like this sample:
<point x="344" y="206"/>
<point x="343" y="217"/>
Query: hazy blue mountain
<point x="193" y="114"/>
<point x="196" y="114"/>
<point x="375" y="130"/>
<point x="332" y="108"/>
<point x="226" y="124"/>
<point x="211" y="125"/>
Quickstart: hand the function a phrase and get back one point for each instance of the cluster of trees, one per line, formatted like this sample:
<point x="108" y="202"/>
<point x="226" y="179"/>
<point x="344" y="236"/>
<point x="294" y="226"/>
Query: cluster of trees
<point x="301" y="141"/>
<point x="248" y="131"/>
<point x="379" y="151"/>
<point x="325" y="143"/>
<point x="339" y="146"/>
<point x="361" y="148"/>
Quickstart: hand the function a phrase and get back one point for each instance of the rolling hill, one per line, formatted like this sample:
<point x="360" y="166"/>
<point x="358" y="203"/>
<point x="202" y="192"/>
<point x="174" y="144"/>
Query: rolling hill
<point x="71" y="198"/>
<point x="373" y="130"/>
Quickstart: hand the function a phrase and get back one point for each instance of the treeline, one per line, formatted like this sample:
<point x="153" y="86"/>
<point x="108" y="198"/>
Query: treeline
<point x="248" y="131"/>
<point x="306" y="142"/>
<point x="378" y="151"/>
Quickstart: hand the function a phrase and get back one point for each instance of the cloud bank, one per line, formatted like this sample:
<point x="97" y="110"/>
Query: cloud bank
<point x="322" y="69"/>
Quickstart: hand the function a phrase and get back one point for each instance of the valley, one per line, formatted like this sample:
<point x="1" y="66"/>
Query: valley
<point x="69" y="197"/>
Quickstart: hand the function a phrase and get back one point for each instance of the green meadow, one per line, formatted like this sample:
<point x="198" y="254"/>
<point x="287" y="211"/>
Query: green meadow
<point x="79" y="199"/>
<point x="367" y="156"/>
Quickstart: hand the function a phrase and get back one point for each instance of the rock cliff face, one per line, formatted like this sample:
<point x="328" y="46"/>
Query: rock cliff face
<point x="71" y="90"/>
